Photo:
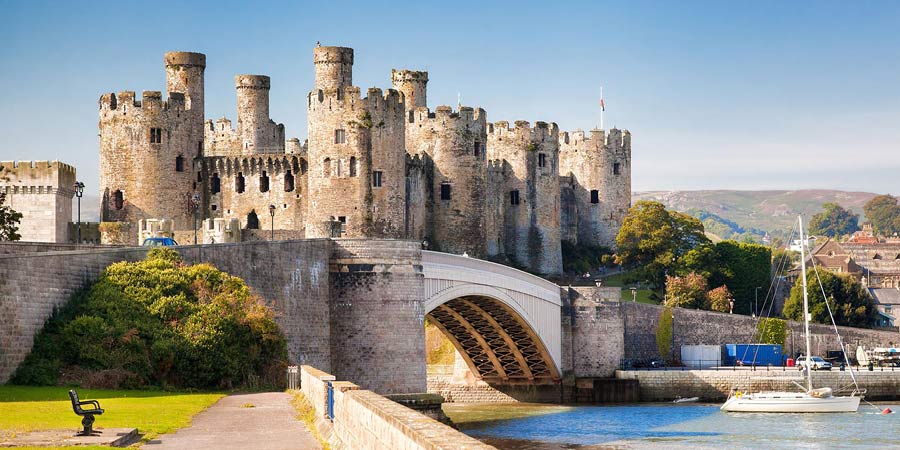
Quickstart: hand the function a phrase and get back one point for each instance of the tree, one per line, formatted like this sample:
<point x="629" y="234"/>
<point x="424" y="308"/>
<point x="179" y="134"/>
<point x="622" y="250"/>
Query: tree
<point x="664" y="342"/>
<point x="771" y="331"/>
<point x="783" y="260"/>
<point x="850" y="303"/>
<point x="652" y="239"/>
<point x="719" y="299"/>
<point x="686" y="292"/>
<point x="743" y="267"/>
<point x="9" y="218"/>
<point x="884" y="214"/>
<point x="833" y="221"/>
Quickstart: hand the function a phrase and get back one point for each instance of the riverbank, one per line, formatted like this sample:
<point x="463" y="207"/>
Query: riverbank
<point x="715" y="385"/>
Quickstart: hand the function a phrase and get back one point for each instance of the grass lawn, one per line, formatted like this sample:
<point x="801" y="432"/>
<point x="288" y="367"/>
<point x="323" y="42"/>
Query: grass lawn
<point x="643" y="294"/>
<point x="26" y="408"/>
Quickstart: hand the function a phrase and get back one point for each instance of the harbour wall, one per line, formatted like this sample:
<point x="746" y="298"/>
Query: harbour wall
<point x="715" y="385"/>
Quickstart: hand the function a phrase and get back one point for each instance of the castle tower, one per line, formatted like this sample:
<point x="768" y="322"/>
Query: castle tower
<point x="258" y="133"/>
<point x="599" y="166"/>
<point x="42" y="191"/>
<point x="530" y="197"/>
<point x="334" y="67"/>
<point x="356" y="154"/>
<point x="454" y="143"/>
<point x="412" y="84"/>
<point x="148" y="148"/>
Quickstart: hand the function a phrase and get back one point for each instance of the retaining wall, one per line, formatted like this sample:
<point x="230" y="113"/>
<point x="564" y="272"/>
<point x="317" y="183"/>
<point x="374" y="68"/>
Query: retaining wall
<point x="714" y="385"/>
<point x="364" y="420"/>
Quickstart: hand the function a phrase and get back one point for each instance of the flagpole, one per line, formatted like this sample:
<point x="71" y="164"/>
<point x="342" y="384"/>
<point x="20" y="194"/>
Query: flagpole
<point x="601" y="107"/>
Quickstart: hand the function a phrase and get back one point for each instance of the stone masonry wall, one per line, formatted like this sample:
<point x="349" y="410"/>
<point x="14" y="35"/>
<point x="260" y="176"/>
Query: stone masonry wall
<point x="378" y="329"/>
<point x="292" y="276"/>
<point x="42" y="191"/>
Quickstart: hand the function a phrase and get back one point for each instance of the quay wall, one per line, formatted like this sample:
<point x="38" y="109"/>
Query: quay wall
<point x="714" y="385"/>
<point x="364" y="420"/>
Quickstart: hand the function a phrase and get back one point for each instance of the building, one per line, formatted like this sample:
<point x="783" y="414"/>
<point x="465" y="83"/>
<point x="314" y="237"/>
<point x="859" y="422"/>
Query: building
<point x="42" y="191"/>
<point x="376" y="164"/>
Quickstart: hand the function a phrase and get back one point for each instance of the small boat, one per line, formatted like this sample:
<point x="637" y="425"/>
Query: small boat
<point x="811" y="400"/>
<point x="685" y="399"/>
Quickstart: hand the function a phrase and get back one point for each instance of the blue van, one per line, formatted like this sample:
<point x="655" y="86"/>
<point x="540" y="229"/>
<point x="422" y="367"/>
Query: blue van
<point x="159" y="242"/>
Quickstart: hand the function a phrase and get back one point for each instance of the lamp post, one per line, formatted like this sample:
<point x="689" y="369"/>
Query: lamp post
<point x="272" y="214"/>
<point x="756" y="300"/>
<point x="79" y="191"/>
<point x="730" y="306"/>
<point x="195" y="205"/>
<point x="633" y="294"/>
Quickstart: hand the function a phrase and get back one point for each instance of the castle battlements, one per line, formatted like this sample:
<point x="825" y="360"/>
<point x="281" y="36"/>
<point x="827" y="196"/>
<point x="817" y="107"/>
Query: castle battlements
<point x="466" y="116"/>
<point x="351" y="99"/>
<point x="151" y="103"/>
<point x="577" y="139"/>
<point x="37" y="177"/>
<point x="522" y="130"/>
<point x="251" y="165"/>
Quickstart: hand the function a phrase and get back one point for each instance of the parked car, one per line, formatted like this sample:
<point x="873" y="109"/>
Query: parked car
<point x="159" y="242"/>
<point x="815" y="362"/>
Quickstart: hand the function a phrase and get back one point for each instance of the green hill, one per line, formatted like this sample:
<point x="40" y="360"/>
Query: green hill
<point x="751" y="214"/>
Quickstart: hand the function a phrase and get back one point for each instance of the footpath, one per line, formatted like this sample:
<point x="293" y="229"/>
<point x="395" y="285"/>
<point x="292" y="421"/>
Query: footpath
<point x="270" y="424"/>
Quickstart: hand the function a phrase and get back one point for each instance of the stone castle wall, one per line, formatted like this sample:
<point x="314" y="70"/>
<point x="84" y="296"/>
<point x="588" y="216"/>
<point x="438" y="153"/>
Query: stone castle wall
<point x="42" y="191"/>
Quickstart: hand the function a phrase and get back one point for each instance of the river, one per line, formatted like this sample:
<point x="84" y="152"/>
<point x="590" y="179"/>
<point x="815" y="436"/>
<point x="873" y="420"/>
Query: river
<point x="670" y="426"/>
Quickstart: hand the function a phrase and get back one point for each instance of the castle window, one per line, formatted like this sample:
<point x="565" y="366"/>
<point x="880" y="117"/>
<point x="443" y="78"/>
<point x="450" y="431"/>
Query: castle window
<point x="199" y="177"/>
<point x="156" y="135"/>
<point x="214" y="207"/>
<point x="542" y="160"/>
<point x="340" y="137"/>
<point x="514" y="197"/>
<point x="264" y="182"/>
<point x="343" y="221"/>
<point x="118" y="199"/>
<point x="199" y="148"/>
<point x="326" y="167"/>
<point x="340" y="167"/>
<point x="303" y="166"/>
<point x="252" y="221"/>
<point x="445" y="191"/>
<point x="615" y="168"/>
<point x="239" y="183"/>
<point x="412" y="116"/>
<point x="215" y="184"/>
<point x="477" y="149"/>
<point x="595" y="196"/>
<point x="179" y="163"/>
<point x="376" y="178"/>
<point x="352" y="166"/>
<point x="288" y="181"/>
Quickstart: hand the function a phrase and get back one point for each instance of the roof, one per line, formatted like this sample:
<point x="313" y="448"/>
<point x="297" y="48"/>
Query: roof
<point x="885" y="296"/>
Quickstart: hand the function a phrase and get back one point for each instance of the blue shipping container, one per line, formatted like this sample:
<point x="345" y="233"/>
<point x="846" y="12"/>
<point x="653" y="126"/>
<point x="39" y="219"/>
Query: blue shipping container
<point x="753" y="354"/>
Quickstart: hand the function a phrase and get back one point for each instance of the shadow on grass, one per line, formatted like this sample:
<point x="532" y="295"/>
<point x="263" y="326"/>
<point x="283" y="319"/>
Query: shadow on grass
<point x="14" y="393"/>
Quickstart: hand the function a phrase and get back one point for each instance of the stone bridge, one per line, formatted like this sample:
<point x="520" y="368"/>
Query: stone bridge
<point x="504" y="322"/>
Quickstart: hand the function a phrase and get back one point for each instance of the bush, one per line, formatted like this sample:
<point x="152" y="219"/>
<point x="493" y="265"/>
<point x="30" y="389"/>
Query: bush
<point x="664" y="334"/>
<point x="159" y="322"/>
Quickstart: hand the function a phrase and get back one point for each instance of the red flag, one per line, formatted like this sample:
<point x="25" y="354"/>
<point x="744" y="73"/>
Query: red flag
<point x="602" y="105"/>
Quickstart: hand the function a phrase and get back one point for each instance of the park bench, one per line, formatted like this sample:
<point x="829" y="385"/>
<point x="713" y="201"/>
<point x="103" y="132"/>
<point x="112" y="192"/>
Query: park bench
<point x="88" y="414"/>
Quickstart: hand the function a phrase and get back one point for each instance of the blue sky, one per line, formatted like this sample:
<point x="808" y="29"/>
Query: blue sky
<point x="718" y="95"/>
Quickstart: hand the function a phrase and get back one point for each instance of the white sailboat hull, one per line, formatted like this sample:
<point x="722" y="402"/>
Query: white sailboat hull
<point x="789" y="402"/>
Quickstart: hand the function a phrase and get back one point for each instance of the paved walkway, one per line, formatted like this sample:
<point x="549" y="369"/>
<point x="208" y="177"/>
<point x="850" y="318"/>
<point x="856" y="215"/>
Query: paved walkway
<point x="271" y="424"/>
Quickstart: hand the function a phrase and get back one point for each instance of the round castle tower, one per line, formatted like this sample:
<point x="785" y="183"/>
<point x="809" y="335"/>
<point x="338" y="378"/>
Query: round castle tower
<point x="148" y="146"/>
<point x="412" y="84"/>
<point x="529" y="208"/>
<point x="356" y="154"/>
<point x="454" y="142"/>
<point x="600" y="167"/>
<point x="257" y="132"/>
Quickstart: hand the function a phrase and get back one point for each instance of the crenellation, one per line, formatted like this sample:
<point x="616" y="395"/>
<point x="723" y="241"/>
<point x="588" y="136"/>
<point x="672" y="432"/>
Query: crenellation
<point x="42" y="191"/>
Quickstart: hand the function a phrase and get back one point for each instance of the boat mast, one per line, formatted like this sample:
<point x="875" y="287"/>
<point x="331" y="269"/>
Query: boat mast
<point x="805" y="305"/>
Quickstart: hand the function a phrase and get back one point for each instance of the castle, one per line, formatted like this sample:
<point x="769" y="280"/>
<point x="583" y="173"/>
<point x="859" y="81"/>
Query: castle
<point x="382" y="165"/>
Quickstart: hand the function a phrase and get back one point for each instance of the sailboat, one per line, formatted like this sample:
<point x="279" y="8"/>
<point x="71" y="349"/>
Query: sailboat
<point x="809" y="400"/>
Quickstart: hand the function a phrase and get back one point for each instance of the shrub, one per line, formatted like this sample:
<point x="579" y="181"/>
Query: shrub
<point x="159" y="322"/>
<point x="664" y="334"/>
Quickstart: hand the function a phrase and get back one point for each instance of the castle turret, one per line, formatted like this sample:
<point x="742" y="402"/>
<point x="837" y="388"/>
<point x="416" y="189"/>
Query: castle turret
<point x="356" y="154"/>
<point x="184" y="74"/>
<point x="258" y="133"/>
<point x="334" y="67"/>
<point x="412" y="84"/>
<point x="529" y="191"/>
<point x="599" y="166"/>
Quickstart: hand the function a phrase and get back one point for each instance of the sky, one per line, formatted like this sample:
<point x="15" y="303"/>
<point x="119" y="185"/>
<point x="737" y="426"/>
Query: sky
<point x="717" y="95"/>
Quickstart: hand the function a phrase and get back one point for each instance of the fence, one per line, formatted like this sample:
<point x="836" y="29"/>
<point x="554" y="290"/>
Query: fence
<point x="627" y="364"/>
<point x="293" y="377"/>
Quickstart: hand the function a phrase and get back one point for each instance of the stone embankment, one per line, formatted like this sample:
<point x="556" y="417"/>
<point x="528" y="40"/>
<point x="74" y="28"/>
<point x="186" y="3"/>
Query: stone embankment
<point x="715" y="385"/>
<point x="364" y="420"/>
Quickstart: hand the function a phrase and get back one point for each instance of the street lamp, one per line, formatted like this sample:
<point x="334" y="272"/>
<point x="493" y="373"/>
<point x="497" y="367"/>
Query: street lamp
<point x="633" y="294"/>
<point x="195" y="206"/>
<point x="272" y="214"/>
<point x="756" y="300"/>
<point x="730" y="306"/>
<point x="79" y="191"/>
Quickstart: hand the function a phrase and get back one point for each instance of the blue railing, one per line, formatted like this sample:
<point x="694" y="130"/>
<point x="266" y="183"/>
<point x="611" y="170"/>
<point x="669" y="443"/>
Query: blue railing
<point x="330" y="410"/>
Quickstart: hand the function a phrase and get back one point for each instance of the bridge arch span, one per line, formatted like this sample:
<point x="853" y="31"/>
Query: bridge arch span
<point x="504" y="322"/>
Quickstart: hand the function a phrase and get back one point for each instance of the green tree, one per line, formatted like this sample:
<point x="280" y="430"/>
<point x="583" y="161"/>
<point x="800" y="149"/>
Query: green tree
<point x="664" y="334"/>
<point x="743" y="267"/>
<point x="850" y="303"/>
<point x="719" y="299"/>
<point x="688" y="291"/>
<point x="9" y="218"/>
<point x="783" y="260"/>
<point x="651" y="239"/>
<point x="771" y="331"/>
<point x="884" y="214"/>
<point x="833" y="221"/>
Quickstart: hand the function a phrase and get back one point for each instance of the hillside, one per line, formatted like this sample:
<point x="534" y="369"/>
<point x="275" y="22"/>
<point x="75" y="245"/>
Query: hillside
<point x="736" y="214"/>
